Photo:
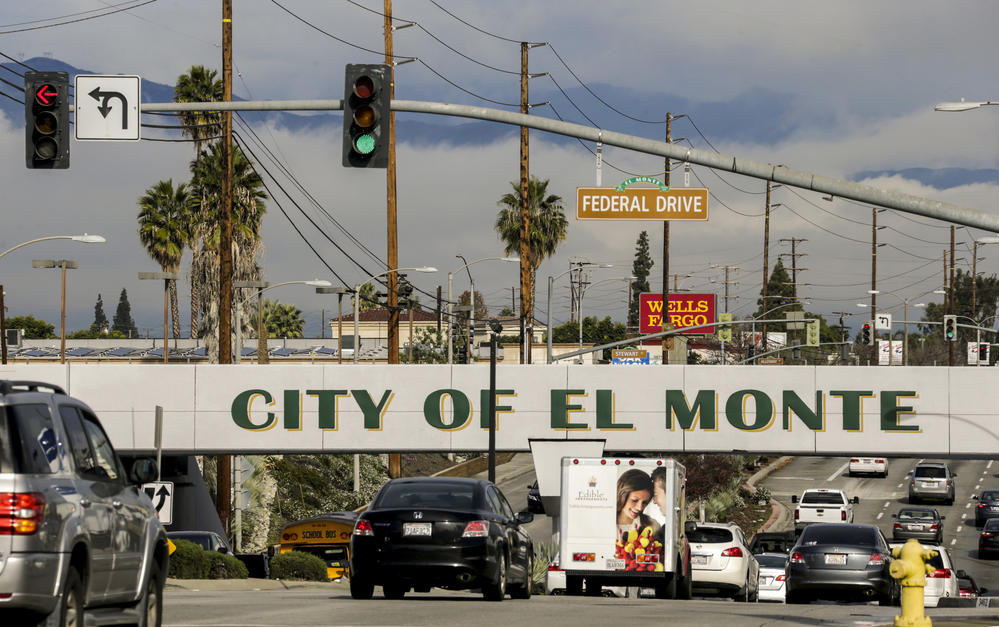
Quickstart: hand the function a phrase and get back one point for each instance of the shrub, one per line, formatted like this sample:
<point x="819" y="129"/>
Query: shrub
<point x="188" y="561"/>
<point x="225" y="566"/>
<point x="762" y="495"/>
<point x="544" y="555"/>
<point x="298" y="565"/>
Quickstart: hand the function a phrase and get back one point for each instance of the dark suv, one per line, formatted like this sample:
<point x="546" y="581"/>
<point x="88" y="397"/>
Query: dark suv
<point x="79" y="542"/>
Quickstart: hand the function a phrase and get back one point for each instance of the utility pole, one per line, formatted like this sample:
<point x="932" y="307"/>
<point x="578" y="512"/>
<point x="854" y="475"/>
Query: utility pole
<point x="874" y="289"/>
<point x="667" y="341"/>
<point x="794" y="266"/>
<point x="223" y="463"/>
<point x="525" y="218"/>
<point x="842" y="326"/>
<point x="766" y="268"/>
<point x="727" y="283"/>
<point x="392" y="287"/>
<point x="950" y="301"/>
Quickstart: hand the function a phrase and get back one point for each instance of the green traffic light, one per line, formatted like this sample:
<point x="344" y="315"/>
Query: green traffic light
<point x="364" y="144"/>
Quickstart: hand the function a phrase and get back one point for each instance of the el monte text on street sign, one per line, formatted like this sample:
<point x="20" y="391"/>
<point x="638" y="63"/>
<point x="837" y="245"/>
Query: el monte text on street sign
<point x="107" y="107"/>
<point x="659" y="203"/>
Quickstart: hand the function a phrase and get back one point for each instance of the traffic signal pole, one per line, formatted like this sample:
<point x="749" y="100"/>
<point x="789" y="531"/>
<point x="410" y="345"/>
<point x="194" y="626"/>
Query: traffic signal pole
<point x="392" y="248"/>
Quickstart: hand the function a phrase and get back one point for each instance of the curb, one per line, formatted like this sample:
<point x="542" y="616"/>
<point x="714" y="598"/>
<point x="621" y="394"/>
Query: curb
<point x="776" y="509"/>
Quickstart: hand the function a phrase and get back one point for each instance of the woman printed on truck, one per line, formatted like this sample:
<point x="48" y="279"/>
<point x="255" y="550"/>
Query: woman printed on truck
<point x="634" y="491"/>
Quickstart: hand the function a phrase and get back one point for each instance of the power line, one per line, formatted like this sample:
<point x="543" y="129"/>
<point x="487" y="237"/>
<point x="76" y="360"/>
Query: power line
<point x="82" y="19"/>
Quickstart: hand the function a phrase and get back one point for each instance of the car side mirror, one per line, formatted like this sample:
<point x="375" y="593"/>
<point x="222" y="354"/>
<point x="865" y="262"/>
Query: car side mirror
<point x="222" y="549"/>
<point x="961" y="574"/>
<point x="143" y="471"/>
<point x="953" y="474"/>
<point x="524" y="517"/>
<point x="690" y="526"/>
<point x="894" y="515"/>
<point x="856" y="500"/>
<point x="943" y="518"/>
<point x="794" y="498"/>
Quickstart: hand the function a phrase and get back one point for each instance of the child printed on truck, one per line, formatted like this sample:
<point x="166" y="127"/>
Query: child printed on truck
<point x="635" y="529"/>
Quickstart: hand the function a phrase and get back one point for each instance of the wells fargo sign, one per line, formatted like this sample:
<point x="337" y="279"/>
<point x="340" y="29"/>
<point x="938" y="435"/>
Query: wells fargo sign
<point x="658" y="203"/>
<point x="685" y="310"/>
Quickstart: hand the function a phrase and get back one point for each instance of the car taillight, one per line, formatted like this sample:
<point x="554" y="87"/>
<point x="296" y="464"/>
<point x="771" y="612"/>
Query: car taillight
<point x="797" y="558"/>
<point x="363" y="528"/>
<point x="981" y="505"/>
<point x="934" y="527"/>
<point x="948" y="483"/>
<point x="842" y="514"/>
<point x="897" y="526"/>
<point x="554" y="567"/>
<point x="797" y="514"/>
<point x="854" y="461"/>
<point x="877" y="559"/>
<point x="20" y="513"/>
<point x="781" y="577"/>
<point x="940" y="573"/>
<point x="987" y="534"/>
<point x="732" y="552"/>
<point x="584" y="557"/>
<point x="476" y="529"/>
<point x="879" y="461"/>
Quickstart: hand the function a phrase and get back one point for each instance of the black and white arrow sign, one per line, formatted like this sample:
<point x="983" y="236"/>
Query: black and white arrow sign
<point x="107" y="107"/>
<point x="161" y="494"/>
<point x="103" y="97"/>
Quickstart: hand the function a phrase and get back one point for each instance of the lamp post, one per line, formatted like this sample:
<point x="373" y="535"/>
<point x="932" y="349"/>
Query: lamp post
<point x="85" y="238"/>
<point x="339" y="291"/>
<point x="64" y="264"/>
<point x="905" y="334"/>
<point x="551" y="281"/>
<point x="579" y="309"/>
<point x="166" y="277"/>
<point x="261" y="287"/>
<point x="357" y="297"/>
<point x="450" y="302"/>
<point x="962" y="105"/>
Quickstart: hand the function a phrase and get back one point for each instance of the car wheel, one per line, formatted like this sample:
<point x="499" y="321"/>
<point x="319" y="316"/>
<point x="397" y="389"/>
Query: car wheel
<point x="361" y="588"/>
<point x="685" y="587"/>
<point x="151" y="604"/>
<point x="394" y="591"/>
<point x="887" y="600"/>
<point x="742" y="595"/>
<point x="69" y="610"/>
<point x="496" y="590"/>
<point x="524" y="591"/>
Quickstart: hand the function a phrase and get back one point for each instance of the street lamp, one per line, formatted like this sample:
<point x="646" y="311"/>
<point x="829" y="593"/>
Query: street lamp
<point x="763" y="315"/>
<point x="85" y="238"/>
<point x="905" y="304"/>
<point x="579" y="309"/>
<point x="450" y="302"/>
<point x="261" y="287"/>
<point x="166" y="277"/>
<point x="962" y="105"/>
<point x="339" y="291"/>
<point x="64" y="264"/>
<point x="357" y="298"/>
<point x="551" y="281"/>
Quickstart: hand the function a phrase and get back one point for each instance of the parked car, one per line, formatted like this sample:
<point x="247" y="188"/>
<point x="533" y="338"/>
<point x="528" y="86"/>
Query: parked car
<point x="458" y="533"/>
<point x="722" y="562"/>
<point x="988" y="506"/>
<point x="80" y="541"/>
<point x="840" y="561"/>
<point x="772" y="576"/>
<point x="772" y="542"/>
<point x="868" y="466"/>
<point x="941" y="582"/>
<point x="208" y="540"/>
<point x="988" y="539"/>
<point x="922" y="523"/>
<point x="534" y="499"/>
<point x="931" y="480"/>
<point x="966" y="586"/>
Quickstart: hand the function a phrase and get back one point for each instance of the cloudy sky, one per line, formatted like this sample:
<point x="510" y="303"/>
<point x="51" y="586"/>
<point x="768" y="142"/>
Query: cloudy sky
<point x="842" y="89"/>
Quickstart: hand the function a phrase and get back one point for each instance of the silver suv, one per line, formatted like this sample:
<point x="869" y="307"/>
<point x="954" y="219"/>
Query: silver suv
<point x="931" y="480"/>
<point x="79" y="543"/>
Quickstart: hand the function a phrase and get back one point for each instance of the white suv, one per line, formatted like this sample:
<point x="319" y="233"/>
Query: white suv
<point x="79" y="542"/>
<point x="721" y="561"/>
<point x="942" y="582"/>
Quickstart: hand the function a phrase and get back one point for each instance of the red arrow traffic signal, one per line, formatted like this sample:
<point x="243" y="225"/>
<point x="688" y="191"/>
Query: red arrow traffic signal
<point x="46" y="94"/>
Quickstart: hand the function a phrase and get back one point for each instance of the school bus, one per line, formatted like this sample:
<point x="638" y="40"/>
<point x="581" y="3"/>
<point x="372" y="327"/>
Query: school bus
<point x="326" y="536"/>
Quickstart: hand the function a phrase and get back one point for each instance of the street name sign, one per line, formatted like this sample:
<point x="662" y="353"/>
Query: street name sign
<point x="644" y="203"/>
<point x="107" y="107"/>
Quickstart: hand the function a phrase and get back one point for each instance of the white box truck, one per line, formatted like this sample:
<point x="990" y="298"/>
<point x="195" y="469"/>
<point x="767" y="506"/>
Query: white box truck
<point x="623" y="523"/>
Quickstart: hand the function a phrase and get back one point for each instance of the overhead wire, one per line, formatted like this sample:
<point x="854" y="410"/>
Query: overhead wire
<point x="140" y="3"/>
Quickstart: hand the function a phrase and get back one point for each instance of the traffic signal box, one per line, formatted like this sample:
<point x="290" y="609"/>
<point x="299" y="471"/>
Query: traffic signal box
<point x="725" y="330"/>
<point x="865" y="333"/>
<point x="46" y="120"/>
<point x="367" y="110"/>
<point x="812" y="333"/>
<point x="950" y="328"/>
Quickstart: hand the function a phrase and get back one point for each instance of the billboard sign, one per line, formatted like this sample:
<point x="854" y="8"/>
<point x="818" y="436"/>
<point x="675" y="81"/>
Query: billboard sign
<point x="685" y="310"/>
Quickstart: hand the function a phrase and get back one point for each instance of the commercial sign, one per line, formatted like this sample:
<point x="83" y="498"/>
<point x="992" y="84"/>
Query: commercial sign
<point x="685" y="310"/>
<point x="305" y="408"/>
<point x="644" y="203"/>
<point x="629" y="356"/>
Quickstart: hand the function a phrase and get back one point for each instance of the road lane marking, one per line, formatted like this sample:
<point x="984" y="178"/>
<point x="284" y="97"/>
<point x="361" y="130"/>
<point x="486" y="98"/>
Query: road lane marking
<point x="959" y="528"/>
<point x="900" y="485"/>
<point x="989" y="465"/>
<point x="894" y="493"/>
<point x="880" y="514"/>
<point x="887" y="503"/>
<point x="967" y="506"/>
<point x="977" y="486"/>
<point x="838" y="472"/>
<point x="953" y="542"/>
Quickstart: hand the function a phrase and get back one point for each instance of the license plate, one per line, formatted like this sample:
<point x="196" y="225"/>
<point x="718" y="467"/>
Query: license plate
<point x="765" y="581"/>
<point x="915" y="527"/>
<point x="416" y="529"/>
<point x="928" y="484"/>
<point x="699" y="560"/>
<point x="995" y="508"/>
<point x="615" y="563"/>
<point x="836" y="559"/>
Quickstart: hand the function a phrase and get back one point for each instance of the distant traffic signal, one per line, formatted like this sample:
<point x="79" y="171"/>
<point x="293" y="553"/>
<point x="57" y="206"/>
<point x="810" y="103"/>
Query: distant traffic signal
<point x="865" y="333"/>
<point x="983" y="353"/>
<point x="950" y="328"/>
<point x="367" y="110"/>
<point x="812" y="333"/>
<point x="725" y="330"/>
<point x="46" y="120"/>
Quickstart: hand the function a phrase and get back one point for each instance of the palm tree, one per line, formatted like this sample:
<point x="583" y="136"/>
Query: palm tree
<point x="283" y="320"/>
<point x="548" y="226"/>
<point x="163" y="222"/>
<point x="199" y="84"/>
<point x="247" y="212"/>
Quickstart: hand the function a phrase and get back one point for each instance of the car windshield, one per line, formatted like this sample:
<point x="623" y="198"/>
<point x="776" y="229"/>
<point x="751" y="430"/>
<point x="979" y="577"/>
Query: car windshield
<point x="838" y="534"/>
<point x="916" y="514"/>
<point x="437" y="494"/>
<point x="991" y="525"/>
<point x="990" y="495"/>
<point x="709" y="535"/>
<point x="772" y="561"/>
<point x="930" y="472"/>
<point x="201" y="539"/>
<point x="822" y="498"/>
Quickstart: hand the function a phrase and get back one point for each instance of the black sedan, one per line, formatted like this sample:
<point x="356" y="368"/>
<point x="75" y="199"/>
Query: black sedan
<point x="988" y="506"/>
<point x="455" y="533"/>
<point x="840" y="562"/>
<point x="534" y="499"/>
<point x="988" y="540"/>
<point x="922" y="523"/>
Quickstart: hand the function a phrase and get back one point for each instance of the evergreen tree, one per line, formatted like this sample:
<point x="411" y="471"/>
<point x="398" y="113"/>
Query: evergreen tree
<point x="34" y="329"/>
<point x="780" y="292"/>
<point x="123" y="317"/>
<point x="100" y="324"/>
<point x="640" y="269"/>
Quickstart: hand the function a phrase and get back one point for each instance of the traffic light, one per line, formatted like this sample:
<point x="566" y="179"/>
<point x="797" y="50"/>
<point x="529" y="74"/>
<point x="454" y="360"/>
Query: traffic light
<point x="865" y="333"/>
<point x="795" y="351"/>
<point x="983" y="353"/>
<point x="725" y="330"/>
<point x="367" y="110"/>
<point x="812" y="333"/>
<point x="46" y="120"/>
<point x="950" y="328"/>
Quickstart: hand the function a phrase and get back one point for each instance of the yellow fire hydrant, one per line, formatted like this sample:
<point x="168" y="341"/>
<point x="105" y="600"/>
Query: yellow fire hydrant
<point x="911" y="568"/>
